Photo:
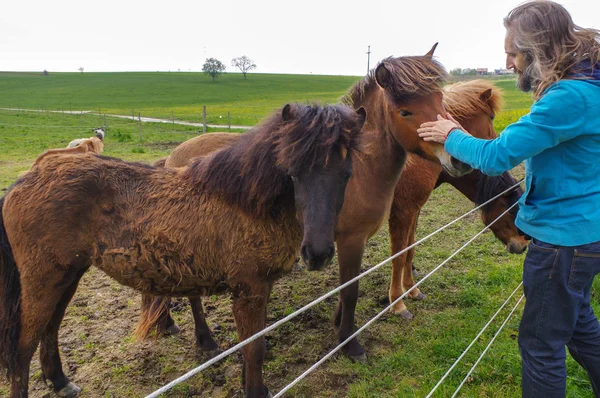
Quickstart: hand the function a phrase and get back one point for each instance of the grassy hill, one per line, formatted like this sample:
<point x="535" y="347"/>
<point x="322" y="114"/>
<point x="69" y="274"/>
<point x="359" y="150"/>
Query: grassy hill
<point x="164" y="94"/>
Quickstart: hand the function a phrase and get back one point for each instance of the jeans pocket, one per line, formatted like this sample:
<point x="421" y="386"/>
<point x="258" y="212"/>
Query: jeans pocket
<point x="584" y="267"/>
<point x="539" y="262"/>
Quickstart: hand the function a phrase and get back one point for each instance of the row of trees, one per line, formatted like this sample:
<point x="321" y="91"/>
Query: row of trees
<point x="213" y="67"/>
<point x="463" y="72"/>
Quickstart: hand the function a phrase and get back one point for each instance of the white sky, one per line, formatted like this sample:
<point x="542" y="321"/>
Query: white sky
<point x="306" y="36"/>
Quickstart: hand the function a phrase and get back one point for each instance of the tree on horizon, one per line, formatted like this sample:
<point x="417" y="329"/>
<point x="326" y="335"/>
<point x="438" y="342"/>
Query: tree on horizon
<point x="244" y="64"/>
<point x="213" y="67"/>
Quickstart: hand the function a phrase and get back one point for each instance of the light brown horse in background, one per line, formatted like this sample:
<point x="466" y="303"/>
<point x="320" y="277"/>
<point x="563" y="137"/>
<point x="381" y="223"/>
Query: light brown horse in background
<point x="230" y="222"/>
<point x="398" y="95"/>
<point x="474" y="104"/>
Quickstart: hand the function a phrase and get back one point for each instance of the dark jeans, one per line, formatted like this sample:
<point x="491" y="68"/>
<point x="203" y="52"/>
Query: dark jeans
<point x="557" y="282"/>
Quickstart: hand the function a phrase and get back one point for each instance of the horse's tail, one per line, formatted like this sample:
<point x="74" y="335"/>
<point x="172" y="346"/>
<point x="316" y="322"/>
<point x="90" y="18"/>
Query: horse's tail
<point x="10" y="302"/>
<point x="153" y="316"/>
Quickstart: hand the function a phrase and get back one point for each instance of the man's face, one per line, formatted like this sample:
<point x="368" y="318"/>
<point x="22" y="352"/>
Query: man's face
<point x="516" y="60"/>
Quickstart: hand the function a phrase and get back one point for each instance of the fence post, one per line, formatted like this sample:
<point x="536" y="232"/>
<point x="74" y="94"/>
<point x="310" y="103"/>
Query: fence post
<point x="140" y="125"/>
<point x="173" y="117"/>
<point x="105" y="122"/>
<point x="229" y="121"/>
<point x="132" y="115"/>
<point x="204" y="119"/>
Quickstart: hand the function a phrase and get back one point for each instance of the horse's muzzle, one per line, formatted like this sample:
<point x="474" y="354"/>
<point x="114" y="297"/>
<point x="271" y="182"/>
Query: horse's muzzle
<point x="316" y="259"/>
<point x="458" y="168"/>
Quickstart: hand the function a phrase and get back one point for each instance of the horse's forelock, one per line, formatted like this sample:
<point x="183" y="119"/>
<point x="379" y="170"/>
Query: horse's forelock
<point x="412" y="76"/>
<point x="488" y="187"/>
<point x="316" y="133"/>
<point x="463" y="100"/>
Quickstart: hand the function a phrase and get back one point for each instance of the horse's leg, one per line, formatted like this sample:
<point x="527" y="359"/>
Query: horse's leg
<point x="49" y="352"/>
<point x="399" y="232"/>
<point x="250" y="313"/>
<point x="204" y="339"/>
<point x="38" y="304"/>
<point x="350" y="251"/>
<point x="408" y="280"/>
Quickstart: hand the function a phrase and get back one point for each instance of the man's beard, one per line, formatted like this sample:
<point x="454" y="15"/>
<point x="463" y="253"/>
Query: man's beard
<point x="525" y="81"/>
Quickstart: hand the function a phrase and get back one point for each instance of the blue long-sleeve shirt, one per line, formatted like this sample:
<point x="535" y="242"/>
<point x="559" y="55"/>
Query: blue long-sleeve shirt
<point x="559" y="140"/>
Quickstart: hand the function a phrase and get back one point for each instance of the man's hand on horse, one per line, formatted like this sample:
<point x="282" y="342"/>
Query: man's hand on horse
<point x="438" y="131"/>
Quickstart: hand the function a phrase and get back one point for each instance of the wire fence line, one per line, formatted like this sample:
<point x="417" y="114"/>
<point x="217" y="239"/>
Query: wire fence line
<point x="487" y="347"/>
<point x="223" y="122"/>
<point x="386" y="309"/>
<point x="332" y="292"/>
<point x="439" y="383"/>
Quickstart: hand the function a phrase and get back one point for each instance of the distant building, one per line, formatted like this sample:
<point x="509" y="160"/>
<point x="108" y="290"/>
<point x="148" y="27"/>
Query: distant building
<point x="504" y="71"/>
<point x="482" y="71"/>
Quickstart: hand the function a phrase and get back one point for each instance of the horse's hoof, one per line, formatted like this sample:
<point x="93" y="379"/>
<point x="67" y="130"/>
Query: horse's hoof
<point x="173" y="330"/>
<point x="406" y="315"/>
<point x="212" y="353"/>
<point x="69" y="391"/>
<point x="419" y="297"/>
<point x="362" y="358"/>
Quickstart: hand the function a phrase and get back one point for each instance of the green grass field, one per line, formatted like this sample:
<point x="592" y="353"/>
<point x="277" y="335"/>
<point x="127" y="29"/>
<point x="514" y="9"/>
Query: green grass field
<point x="164" y="94"/>
<point x="406" y="359"/>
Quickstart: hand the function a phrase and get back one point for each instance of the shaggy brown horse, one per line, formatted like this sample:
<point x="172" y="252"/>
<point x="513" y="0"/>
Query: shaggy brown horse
<point x="399" y="95"/>
<point x="232" y="221"/>
<point x="474" y="104"/>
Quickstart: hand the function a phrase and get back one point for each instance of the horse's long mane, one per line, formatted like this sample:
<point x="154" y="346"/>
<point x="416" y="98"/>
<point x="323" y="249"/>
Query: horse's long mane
<point x="488" y="187"/>
<point x="413" y="76"/>
<point x="255" y="172"/>
<point x="462" y="100"/>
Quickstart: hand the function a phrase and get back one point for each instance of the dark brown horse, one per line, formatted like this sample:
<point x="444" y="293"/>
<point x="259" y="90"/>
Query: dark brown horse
<point x="399" y="95"/>
<point x="474" y="104"/>
<point x="230" y="222"/>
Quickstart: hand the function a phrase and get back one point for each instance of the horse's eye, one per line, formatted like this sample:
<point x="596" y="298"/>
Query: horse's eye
<point x="404" y="113"/>
<point x="492" y="117"/>
<point x="348" y="176"/>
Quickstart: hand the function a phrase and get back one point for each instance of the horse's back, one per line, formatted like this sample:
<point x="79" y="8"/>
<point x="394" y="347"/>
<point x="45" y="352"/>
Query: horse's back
<point x="199" y="146"/>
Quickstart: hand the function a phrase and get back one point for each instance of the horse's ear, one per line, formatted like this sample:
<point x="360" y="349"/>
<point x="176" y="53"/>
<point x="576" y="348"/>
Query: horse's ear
<point x="287" y="114"/>
<point x="362" y="116"/>
<point x="430" y="52"/>
<point x="383" y="76"/>
<point x="485" y="95"/>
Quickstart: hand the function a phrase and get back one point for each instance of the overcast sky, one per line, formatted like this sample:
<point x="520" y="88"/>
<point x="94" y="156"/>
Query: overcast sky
<point x="306" y="36"/>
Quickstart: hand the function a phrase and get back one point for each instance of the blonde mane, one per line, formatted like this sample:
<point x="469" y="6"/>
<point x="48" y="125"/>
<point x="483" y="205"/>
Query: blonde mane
<point x="463" y="100"/>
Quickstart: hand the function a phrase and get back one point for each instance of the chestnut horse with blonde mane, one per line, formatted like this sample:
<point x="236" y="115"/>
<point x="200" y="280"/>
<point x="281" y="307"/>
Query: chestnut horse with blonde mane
<point x="231" y="222"/>
<point x="399" y="95"/>
<point x="474" y="104"/>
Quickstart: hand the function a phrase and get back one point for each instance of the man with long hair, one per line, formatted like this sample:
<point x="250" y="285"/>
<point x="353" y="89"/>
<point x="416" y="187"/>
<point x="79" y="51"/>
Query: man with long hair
<point x="559" y="141"/>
